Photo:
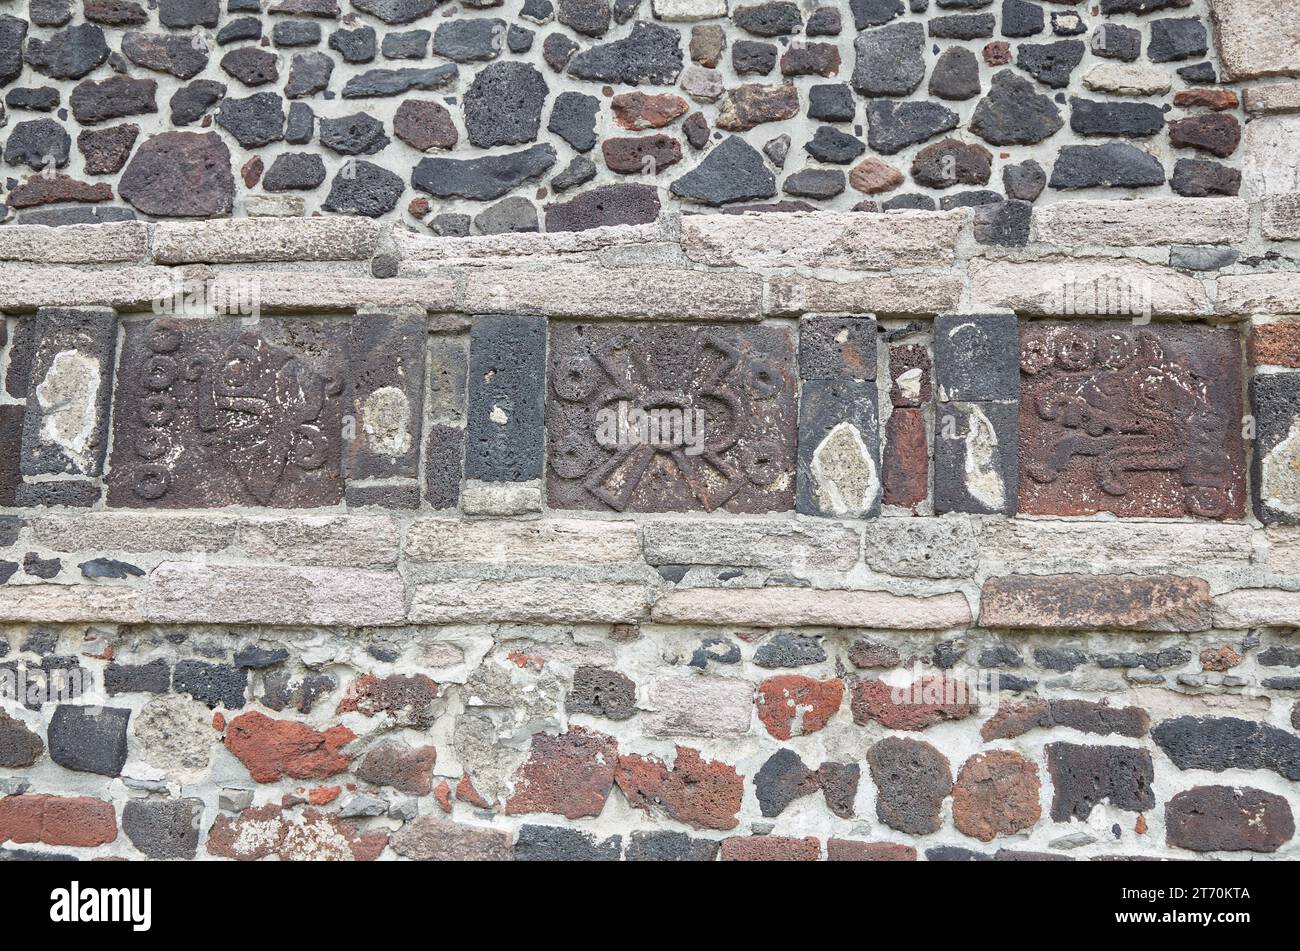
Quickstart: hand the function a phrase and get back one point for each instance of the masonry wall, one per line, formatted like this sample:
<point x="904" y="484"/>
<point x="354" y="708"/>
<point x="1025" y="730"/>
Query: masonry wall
<point x="967" y="533"/>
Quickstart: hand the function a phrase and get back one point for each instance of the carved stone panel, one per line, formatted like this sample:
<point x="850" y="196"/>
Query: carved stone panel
<point x="1142" y="421"/>
<point x="212" y="413"/>
<point x="671" y="418"/>
<point x="385" y="396"/>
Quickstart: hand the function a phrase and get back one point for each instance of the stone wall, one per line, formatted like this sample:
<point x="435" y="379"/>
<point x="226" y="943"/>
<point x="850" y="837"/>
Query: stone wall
<point x="965" y="533"/>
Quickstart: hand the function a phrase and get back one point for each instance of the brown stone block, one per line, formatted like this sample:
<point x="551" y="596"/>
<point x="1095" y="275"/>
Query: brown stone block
<point x="1138" y="421"/>
<point x="1086" y="602"/>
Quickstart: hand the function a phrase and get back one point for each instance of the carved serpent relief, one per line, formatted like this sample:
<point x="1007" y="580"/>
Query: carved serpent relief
<point x="671" y="418"/>
<point x="211" y="414"/>
<point x="1136" y="421"/>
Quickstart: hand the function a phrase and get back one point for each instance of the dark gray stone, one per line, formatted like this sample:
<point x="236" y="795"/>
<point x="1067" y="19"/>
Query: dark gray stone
<point x="670" y="847"/>
<point x="956" y="75"/>
<point x="255" y="121"/>
<point x="1021" y="18"/>
<point x="295" y="33"/>
<point x="1003" y="224"/>
<point x="1115" y="164"/>
<point x="70" y="53"/>
<point x="872" y="12"/>
<point x="164" y="828"/>
<point x="789" y="650"/>
<point x="43" y="99"/>
<point x="20" y="747"/>
<point x="71" y="494"/>
<point x="294" y="171"/>
<point x="975" y="198"/>
<point x="1201" y="178"/>
<point x="38" y="143"/>
<point x="301" y="125"/>
<point x="71" y="359"/>
<point x="913" y="779"/>
<point x="557" y="50"/>
<point x="112" y="98"/>
<point x="975" y="458"/>
<point x="1176" y="38"/>
<point x="952" y="162"/>
<point x="49" y="12"/>
<point x="579" y="171"/>
<point x="385" y="395"/>
<point x="1060" y="659"/>
<point x="1084" y="776"/>
<point x="1051" y="64"/>
<point x="444" y="450"/>
<point x="781" y="780"/>
<point x="976" y="357"/>
<point x="965" y="26"/>
<point x="357" y="134"/>
<point x="189" y="103"/>
<point x="374" y="83"/>
<point x="412" y="44"/>
<point x="832" y="145"/>
<point x="363" y="188"/>
<point x="309" y="74"/>
<point x="1198" y="258"/>
<point x="356" y="46"/>
<point x="10" y="526"/>
<point x="650" y="54"/>
<point x="839" y="449"/>
<point x="504" y="105"/>
<point x="12" y="33"/>
<point x="1024" y="182"/>
<point x="890" y="60"/>
<point x="732" y="171"/>
<point x="1013" y="113"/>
<point x="557" y="844"/>
<point x="244" y="28"/>
<point x="832" y="348"/>
<point x="1200" y="74"/>
<point x="397" y="11"/>
<point x="469" y="41"/>
<point x="1130" y="120"/>
<point x="909" y="202"/>
<point x="769" y="19"/>
<point x="599" y="692"/>
<point x="216" y="685"/>
<point x="588" y="17"/>
<point x="893" y="126"/>
<point x="43" y="568"/>
<point x="607" y="205"/>
<point x="1114" y="41"/>
<point x="259" y="658"/>
<point x="1275" y="405"/>
<point x="252" y="65"/>
<point x="482" y="179"/>
<point x="110" y="568"/>
<point x="832" y="102"/>
<point x="182" y="13"/>
<point x="89" y="739"/>
<point x="752" y="58"/>
<point x="519" y="40"/>
<point x="714" y="650"/>
<point x="153" y="677"/>
<point x="399" y="496"/>
<point x="504" y="433"/>
<point x="165" y="53"/>
<point x="573" y="118"/>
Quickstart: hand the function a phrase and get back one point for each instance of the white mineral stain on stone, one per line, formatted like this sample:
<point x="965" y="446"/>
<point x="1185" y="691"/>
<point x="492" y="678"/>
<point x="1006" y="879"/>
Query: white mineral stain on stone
<point x="909" y="383"/>
<point x="498" y="415"/>
<point x="386" y="418"/>
<point x="1281" y="482"/>
<point x="67" y="397"/>
<point x="844" y="472"/>
<point x="983" y="480"/>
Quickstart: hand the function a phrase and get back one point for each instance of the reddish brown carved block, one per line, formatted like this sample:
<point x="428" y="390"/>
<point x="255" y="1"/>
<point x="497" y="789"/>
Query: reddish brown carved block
<point x="722" y="418"/>
<point x="210" y="413"/>
<point x="1138" y="421"/>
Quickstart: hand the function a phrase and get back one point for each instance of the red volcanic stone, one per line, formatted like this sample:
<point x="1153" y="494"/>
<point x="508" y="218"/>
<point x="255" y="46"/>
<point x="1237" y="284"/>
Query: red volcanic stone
<point x="37" y="190"/>
<point x="795" y="705"/>
<point x="406" y="697"/>
<point x="811" y="59"/>
<point x="1017" y="718"/>
<point x="702" y="793"/>
<point x="57" y="820"/>
<point x="418" y="208"/>
<point x="1087" y="602"/>
<point x="569" y="775"/>
<point x="872" y="176"/>
<point x="274" y="748"/>
<point x="750" y="105"/>
<point x="424" y="125"/>
<point x="996" y="794"/>
<point x="443" y="794"/>
<point x="916" y="706"/>
<point x="997" y="53"/>
<point x="106" y="150"/>
<point x="1275" y="344"/>
<point x="642" y="155"/>
<point x="251" y="173"/>
<point x="1141" y="422"/>
<point x="1216" y="133"/>
<point x="1216" y="99"/>
<point x="905" y="468"/>
<point x="1228" y="819"/>
<point x="849" y="850"/>
<point x="866" y="655"/>
<point x="466" y="792"/>
<point x="266" y="831"/>
<point x="638" y="110"/>
<point x="770" y="848"/>
<point x="1087" y="716"/>
<point x="1219" y="659"/>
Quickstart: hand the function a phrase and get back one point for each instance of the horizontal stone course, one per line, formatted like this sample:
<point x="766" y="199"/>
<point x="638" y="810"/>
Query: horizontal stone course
<point x="805" y="607"/>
